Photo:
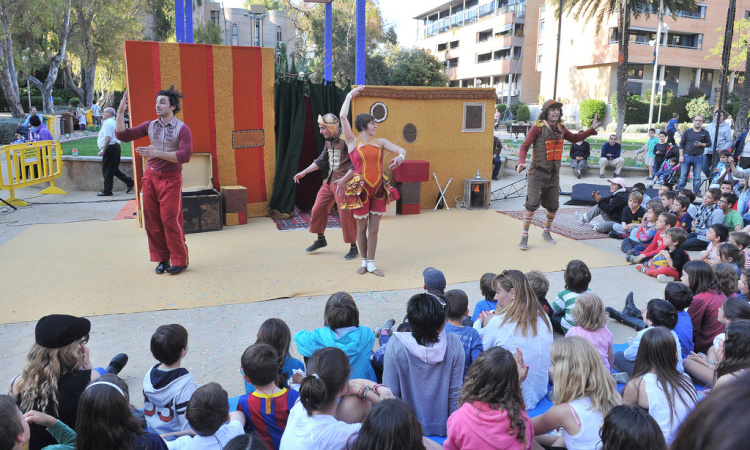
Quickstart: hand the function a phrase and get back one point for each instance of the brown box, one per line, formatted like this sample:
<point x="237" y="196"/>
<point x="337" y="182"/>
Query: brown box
<point x="410" y="192"/>
<point x="234" y="199"/>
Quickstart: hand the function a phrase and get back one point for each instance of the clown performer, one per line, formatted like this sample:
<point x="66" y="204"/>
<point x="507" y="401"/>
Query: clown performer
<point x="548" y="136"/>
<point x="367" y="188"/>
<point x="334" y="154"/>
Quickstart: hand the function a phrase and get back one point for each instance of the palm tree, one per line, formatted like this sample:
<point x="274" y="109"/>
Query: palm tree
<point x="600" y="10"/>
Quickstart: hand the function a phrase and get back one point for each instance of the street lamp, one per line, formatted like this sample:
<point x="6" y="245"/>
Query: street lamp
<point x="656" y="42"/>
<point x="662" y="83"/>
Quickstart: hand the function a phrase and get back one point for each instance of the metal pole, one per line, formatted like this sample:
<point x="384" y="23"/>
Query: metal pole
<point x="728" y="34"/>
<point x="557" y="57"/>
<point x="657" y="43"/>
<point x="28" y="91"/>
<point x="359" y="74"/>
<point x="661" y="95"/>
<point x="329" y="41"/>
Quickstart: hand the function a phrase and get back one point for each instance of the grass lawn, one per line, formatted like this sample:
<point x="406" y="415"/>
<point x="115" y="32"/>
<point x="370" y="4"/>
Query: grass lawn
<point x="86" y="147"/>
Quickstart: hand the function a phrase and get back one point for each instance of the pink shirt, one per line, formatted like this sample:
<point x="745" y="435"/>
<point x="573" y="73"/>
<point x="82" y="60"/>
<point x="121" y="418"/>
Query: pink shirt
<point x="475" y="425"/>
<point x="601" y="338"/>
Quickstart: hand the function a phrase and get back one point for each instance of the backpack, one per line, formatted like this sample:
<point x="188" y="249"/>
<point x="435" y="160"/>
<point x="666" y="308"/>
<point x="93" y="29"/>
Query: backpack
<point x="739" y="144"/>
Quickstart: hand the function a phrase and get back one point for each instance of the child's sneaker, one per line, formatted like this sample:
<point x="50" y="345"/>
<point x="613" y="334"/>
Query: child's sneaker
<point x="615" y="235"/>
<point x="641" y="268"/>
<point x="630" y="258"/>
<point x="621" y="377"/>
<point x="581" y="218"/>
<point x="665" y="278"/>
<point x="387" y="325"/>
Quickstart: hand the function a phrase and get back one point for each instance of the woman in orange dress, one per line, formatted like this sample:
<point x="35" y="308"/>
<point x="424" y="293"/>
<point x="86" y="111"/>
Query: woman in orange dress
<point x="367" y="188"/>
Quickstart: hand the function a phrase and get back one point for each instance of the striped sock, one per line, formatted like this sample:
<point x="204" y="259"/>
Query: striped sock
<point x="527" y="217"/>
<point x="550" y="218"/>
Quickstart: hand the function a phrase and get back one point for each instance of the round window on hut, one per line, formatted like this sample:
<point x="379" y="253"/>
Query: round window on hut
<point x="410" y="133"/>
<point x="379" y="111"/>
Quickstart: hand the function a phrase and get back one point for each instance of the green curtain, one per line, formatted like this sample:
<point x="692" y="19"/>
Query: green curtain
<point x="290" y="126"/>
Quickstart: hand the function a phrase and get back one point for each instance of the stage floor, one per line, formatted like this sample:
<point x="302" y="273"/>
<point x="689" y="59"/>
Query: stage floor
<point x="100" y="268"/>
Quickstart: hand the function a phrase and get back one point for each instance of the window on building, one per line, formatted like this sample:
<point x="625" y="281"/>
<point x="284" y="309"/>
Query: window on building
<point x="635" y="71"/>
<point x="747" y="14"/>
<point x="541" y="26"/>
<point x="442" y="47"/>
<point x="519" y="30"/>
<point x="234" y="30"/>
<point x="256" y="40"/>
<point x="539" y="49"/>
<point x="517" y="51"/>
<point x="454" y="44"/>
<point x="501" y="54"/>
<point x="473" y="120"/>
<point x="484" y="57"/>
<point x="278" y="34"/>
<point x="451" y="63"/>
<point x="483" y="36"/>
<point x="215" y="17"/>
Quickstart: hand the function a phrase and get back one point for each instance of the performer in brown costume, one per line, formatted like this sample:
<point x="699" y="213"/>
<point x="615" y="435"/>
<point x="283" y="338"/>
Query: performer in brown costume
<point x="334" y="154"/>
<point x="548" y="136"/>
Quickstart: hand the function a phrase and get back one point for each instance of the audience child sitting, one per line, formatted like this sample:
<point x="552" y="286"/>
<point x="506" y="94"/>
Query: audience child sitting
<point x="629" y="427"/>
<point x="457" y="303"/>
<point x="276" y="333"/>
<point x="641" y="188"/>
<point x="703" y="367"/>
<point x="167" y="387"/>
<point x="426" y="360"/>
<point x="666" y="266"/>
<point x="680" y="297"/>
<point x="667" y="199"/>
<point x="584" y="394"/>
<point x="631" y="217"/>
<point x="716" y="234"/>
<point x="640" y="253"/>
<point x="105" y="420"/>
<point x="14" y="429"/>
<point x="732" y="255"/>
<point x="520" y="324"/>
<point x="719" y="421"/>
<point x="341" y="330"/>
<point x="721" y="166"/>
<point x="267" y="408"/>
<point x="209" y="416"/>
<point x="707" y="299"/>
<point x="732" y="219"/>
<point x="492" y="412"/>
<point x="727" y="280"/>
<point x="708" y="214"/>
<point x="591" y="321"/>
<point x="644" y="234"/>
<point x="319" y="420"/>
<point x="726" y="186"/>
<point x="540" y="285"/>
<point x="577" y="278"/>
<point x="657" y="386"/>
<point x="679" y="209"/>
<point x="391" y="425"/>
<point x="489" y="303"/>
<point x="246" y="442"/>
<point x="742" y="241"/>
<point x="736" y="353"/>
<point x="657" y="313"/>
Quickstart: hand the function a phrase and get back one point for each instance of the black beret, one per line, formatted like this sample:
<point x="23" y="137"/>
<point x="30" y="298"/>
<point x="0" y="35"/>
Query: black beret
<point x="60" y="330"/>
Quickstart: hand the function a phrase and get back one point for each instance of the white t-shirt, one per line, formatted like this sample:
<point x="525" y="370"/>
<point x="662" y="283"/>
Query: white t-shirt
<point x="317" y="432"/>
<point x="108" y="129"/>
<point x="217" y="441"/>
<point x="96" y="110"/>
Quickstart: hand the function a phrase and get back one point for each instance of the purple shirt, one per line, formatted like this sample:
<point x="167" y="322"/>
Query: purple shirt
<point x="41" y="133"/>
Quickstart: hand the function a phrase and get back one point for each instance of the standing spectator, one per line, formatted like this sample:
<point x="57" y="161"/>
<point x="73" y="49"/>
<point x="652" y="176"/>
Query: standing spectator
<point x="672" y="129"/>
<point x="579" y="154"/>
<point x="611" y="156"/>
<point x="32" y="113"/>
<point x="96" y="111"/>
<point x="724" y="143"/>
<point x="109" y="150"/>
<point x="497" y="159"/>
<point x="692" y="145"/>
<point x="39" y="131"/>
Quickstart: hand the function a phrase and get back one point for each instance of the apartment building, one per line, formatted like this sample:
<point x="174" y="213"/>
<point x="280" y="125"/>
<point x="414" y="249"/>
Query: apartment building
<point x="482" y="43"/>
<point x="511" y="45"/>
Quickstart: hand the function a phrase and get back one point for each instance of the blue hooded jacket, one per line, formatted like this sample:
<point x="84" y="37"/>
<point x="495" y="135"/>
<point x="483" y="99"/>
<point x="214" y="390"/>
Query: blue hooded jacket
<point x="357" y="344"/>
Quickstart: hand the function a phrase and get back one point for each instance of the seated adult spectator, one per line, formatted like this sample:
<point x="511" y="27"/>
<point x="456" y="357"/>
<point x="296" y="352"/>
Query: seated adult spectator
<point x="579" y="154"/>
<point x="426" y="360"/>
<point x="611" y="156"/>
<point x="610" y="207"/>
<point x="497" y="159"/>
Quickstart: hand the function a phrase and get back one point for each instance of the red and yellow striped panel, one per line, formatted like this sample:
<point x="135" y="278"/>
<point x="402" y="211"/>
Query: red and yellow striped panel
<point x="226" y="89"/>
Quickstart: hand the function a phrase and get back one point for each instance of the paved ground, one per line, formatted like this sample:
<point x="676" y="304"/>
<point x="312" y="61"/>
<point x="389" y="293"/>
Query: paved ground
<point x="218" y="335"/>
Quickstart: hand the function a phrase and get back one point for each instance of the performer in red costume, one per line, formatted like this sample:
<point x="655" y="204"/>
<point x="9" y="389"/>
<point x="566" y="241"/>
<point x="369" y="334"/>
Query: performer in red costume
<point x="367" y="188"/>
<point x="171" y="147"/>
<point x="336" y="156"/>
<point x="548" y="136"/>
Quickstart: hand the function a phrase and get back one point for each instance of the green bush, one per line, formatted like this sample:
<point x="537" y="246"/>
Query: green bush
<point x="637" y="110"/>
<point x="700" y="106"/>
<point x="695" y="92"/>
<point x="8" y="127"/>
<point x="523" y="114"/>
<point x="514" y="108"/>
<point x="590" y="108"/>
<point x="501" y="107"/>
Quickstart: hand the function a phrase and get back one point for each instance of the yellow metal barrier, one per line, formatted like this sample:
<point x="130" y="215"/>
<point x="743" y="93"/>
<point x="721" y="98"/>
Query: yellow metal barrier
<point x="29" y="164"/>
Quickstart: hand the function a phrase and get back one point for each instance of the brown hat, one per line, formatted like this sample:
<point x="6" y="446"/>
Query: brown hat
<point x="60" y="330"/>
<point x="551" y="104"/>
<point x="330" y="121"/>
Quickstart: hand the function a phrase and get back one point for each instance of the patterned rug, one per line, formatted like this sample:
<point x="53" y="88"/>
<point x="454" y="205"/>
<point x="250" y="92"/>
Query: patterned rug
<point x="565" y="223"/>
<point x="301" y="221"/>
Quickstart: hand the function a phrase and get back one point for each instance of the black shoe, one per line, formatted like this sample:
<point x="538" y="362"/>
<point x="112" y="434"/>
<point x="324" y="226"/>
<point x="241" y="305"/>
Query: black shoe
<point x="630" y="308"/>
<point x="353" y="253"/>
<point x="104" y="194"/>
<point x="615" y="235"/>
<point x="617" y="175"/>
<point x="174" y="270"/>
<point x="632" y="322"/>
<point x="117" y="363"/>
<point x="162" y="267"/>
<point x="129" y="189"/>
<point x="319" y="243"/>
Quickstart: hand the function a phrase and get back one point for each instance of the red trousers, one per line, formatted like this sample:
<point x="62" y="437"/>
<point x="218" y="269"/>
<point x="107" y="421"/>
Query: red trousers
<point x="162" y="213"/>
<point x="663" y="270"/>
<point x="323" y="204"/>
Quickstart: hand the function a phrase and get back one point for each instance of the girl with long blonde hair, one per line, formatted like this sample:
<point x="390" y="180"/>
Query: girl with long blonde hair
<point x="584" y="394"/>
<point x="519" y="322"/>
